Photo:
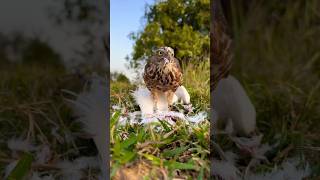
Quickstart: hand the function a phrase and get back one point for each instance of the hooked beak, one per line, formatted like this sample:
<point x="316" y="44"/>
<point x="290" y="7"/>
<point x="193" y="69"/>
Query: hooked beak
<point x="166" y="61"/>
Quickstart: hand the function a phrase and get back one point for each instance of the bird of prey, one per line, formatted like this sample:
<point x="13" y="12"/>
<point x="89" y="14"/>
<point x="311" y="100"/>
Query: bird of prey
<point x="221" y="49"/>
<point x="162" y="74"/>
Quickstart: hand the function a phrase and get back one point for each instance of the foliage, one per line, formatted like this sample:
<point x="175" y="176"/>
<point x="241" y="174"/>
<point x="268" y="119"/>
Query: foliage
<point x="196" y="80"/>
<point x="40" y="52"/>
<point x="120" y="94"/>
<point x="17" y="48"/>
<point x="120" y="77"/>
<point x="77" y="11"/>
<point x="180" y="24"/>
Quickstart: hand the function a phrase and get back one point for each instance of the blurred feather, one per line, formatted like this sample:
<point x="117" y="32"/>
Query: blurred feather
<point x="225" y="170"/>
<point x="90" y="106"/>
<point x="288" y="170"/>
<point x="9" y="168"/>
<point x="44" y="154"/>
<point x="72" y="170"/>
<point x="37" y="176"/>
<point x="232" y="102"/>
<point x="18" y="144"/>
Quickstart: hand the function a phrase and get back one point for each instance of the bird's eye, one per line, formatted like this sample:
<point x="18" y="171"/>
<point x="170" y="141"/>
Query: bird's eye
<point x="160" y="53"/>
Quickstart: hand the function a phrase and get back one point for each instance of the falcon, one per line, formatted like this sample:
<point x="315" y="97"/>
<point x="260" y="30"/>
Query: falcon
<point x="162" y="74"/>
<point x="221" y="45"/>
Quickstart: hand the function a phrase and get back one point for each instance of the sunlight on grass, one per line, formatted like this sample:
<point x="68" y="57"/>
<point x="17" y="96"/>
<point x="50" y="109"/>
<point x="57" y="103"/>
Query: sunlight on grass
<point x="160" y="149"/>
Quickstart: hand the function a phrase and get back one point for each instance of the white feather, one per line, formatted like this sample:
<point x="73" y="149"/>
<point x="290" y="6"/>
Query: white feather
<point x="37" y="176"/>
<point x="9" y="168"/>
<point x="43" y="154"/>
<point x="18" y="144"/>
<point x="91" y="108"/>
<point x="288" y="170"/>
<point x="183" y="94"/>
<point x="201" y="116"/>
<point x="143" y="98"/>
<point x="232" y="102"/>
<point x="225" y="170"/>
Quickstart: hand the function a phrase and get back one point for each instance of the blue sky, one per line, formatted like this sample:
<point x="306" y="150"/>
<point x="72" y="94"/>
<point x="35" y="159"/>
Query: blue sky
<point x="125" y="17"/>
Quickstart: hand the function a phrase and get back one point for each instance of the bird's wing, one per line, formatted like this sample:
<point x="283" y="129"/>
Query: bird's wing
<point x="221" y="45"/>
<point x="147" y="66"/>
<point x="178" y="64"/>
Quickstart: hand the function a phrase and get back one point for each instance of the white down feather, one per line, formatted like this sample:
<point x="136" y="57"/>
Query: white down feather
<point x="143" y="98"/>
<point x="232" y="103"/>
<point x="91" y="108"/>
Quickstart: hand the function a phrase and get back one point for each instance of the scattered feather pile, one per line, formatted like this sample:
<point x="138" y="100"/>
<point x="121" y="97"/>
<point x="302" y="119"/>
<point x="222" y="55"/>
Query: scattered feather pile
<point x="288" y="170"/>
<point x="170" y="116"/>
<point x="64" y="169"/>
<point x="73" y="169"/>
<point x="143" y="98"/>
<point x="253" y="148"/>
<point x="233" y="107"/>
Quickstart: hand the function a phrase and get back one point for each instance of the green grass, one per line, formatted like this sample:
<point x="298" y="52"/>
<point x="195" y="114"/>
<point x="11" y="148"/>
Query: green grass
<point x="178" y="147"/>
<point x="197" y="82"/>
<point x="32" y="106"/>
<point x="161" y="149"/>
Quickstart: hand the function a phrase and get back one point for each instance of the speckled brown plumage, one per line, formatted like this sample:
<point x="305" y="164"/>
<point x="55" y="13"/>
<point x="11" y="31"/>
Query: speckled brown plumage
<point x="221" y="45"/>
<point x="162" y="73"/>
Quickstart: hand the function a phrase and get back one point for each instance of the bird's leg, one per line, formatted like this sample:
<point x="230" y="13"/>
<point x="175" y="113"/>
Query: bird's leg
<point x="169" y="95"/>
<point x="155" y="97"/>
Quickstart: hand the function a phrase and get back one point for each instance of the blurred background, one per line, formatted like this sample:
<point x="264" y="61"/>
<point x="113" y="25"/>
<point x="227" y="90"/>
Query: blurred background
<point x="276" y="58"/>
<point x="48" y="46"/>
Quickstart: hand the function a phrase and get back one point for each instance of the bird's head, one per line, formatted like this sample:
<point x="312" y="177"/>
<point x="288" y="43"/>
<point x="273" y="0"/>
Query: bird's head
<point x="165" y="55"/>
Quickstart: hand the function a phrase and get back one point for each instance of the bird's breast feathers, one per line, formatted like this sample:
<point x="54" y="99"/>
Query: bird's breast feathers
<point x="164" y="78"/>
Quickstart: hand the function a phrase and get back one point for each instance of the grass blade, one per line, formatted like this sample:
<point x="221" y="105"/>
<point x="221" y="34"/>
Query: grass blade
<point x="22" y="168"/>
<point x="178" y="165"/>
<point x="174" y="152"/>
<point x="114" y="118"/>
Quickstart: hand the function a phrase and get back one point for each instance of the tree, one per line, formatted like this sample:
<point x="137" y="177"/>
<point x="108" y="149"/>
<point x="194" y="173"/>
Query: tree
<point x="40" y="53"/>
<point x="183" y="25"/>
<point x="119" y="77"/>
<point x="17" y="48"/>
